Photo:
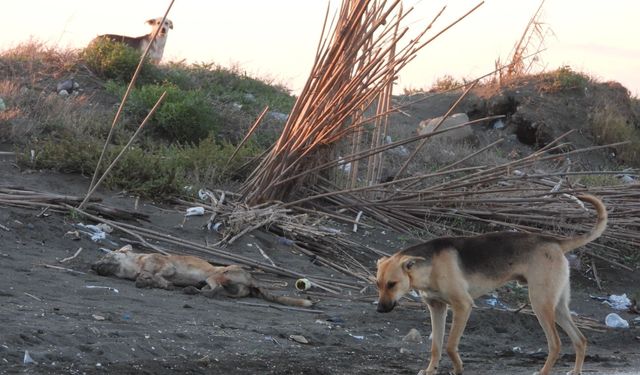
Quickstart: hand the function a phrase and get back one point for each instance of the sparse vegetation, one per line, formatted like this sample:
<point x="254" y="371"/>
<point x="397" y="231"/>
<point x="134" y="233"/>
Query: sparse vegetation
<point x="566" y="78"/>
<point x="114" y="60"/>
<point x="445" y="83"/>
<point x="609" y="126"/>
<point x="188" y="141"/>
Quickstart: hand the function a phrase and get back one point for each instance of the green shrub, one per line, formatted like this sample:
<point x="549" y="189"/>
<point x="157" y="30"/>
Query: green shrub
<point x="115" y="60"/>
<point x="566" y="78"/>
<point x="184" y="116"/>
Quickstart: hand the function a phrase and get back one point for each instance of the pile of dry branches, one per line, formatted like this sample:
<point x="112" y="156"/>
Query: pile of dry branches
<point x="354" y="64"/>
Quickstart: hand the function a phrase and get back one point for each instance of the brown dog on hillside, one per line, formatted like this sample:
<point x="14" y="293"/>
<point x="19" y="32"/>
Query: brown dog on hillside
<point x="455" y="270"/>
<point x="170" y="271"/>
<point x="140" y="43"/>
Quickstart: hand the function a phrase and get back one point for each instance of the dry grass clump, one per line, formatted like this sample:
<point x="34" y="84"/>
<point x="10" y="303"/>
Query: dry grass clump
<point x="610" y="126"/>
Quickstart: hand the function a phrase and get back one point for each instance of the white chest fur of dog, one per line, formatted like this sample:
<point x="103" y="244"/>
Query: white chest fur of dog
<point x="141" y="43"/>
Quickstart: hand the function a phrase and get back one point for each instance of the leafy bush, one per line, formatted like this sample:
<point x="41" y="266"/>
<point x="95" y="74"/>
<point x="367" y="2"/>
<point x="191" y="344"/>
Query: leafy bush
<point x="115" y="60"/>
<point x="184" y="116"/>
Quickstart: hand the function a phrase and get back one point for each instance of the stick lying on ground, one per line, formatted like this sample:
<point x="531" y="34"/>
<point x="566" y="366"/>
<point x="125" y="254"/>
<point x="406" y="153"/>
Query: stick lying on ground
<point x="193" y="273"/>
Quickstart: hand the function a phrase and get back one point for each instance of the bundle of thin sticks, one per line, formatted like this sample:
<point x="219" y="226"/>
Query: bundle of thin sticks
<point x="354" y="63"/>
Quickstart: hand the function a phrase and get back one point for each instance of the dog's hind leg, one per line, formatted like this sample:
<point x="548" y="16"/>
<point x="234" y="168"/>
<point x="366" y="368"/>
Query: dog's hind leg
<point x="461" y="307"/>
<point x="438" y="313"/>
<point x="544" y="306"/>
<point x="148" y="280"/>
<point x="564" y="320"/>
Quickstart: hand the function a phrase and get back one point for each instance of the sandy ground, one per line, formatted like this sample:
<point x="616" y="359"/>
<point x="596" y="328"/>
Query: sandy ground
<point x="68" y="327"/>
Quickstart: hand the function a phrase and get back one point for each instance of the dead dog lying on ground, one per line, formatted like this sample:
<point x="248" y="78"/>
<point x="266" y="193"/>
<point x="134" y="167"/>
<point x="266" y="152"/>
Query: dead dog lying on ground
<point x="196" y="274"/>
<point x="140" y="43"/>
<point x="454" y="270"/>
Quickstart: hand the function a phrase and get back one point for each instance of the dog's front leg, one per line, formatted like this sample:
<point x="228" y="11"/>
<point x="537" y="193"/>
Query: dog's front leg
<point x="148" y="280"/>
<point x="438" y="313"/>
<point x="461" y="307"/>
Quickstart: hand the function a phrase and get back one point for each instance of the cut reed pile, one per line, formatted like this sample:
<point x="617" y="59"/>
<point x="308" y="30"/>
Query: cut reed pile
<point x="355" y="62"/>
<point x="352" y="77"/>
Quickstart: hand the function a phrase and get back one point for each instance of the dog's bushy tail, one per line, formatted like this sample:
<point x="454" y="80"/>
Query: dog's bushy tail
<point x="601" y="224"/>
<point x="289" y="301"/>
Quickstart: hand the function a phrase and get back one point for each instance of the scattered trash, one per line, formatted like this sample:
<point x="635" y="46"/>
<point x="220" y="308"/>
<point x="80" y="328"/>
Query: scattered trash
<point x="618" y="302"/>
<point x="299" y="338"/>
<point x="493" y="301"/>
<point x="498" y="124"/>
<point x="74" y="235"/>
<point x="104" y="227"/>
<point x="27" y="360"/>
<point x="627" y="179"/>
<point x="285" y="241"/>
<point x="412" y="336"/>
<point x="303" y="284"/>
<point x="357" y="337"/>
<point x="335" y="319"/>
<point x="272" y="339"/>
<point x="126" y="316"/>
<point x="329" y="230"/>
<point x="98" y="317"/>
<point x="217" y="227"/>
<point x="96" y="232"/>
<point x="3" y="106"/>
<point x="195" y="211"/>
<point x="102" y="287"/>
<point x="614" y="320"/>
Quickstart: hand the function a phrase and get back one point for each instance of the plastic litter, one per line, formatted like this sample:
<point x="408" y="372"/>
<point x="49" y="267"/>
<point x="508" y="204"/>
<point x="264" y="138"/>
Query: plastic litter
<point x="357" y="337"/>
<point x="285" y="241"/>
<point x="303" y="284"/>
<point x="102" y="287"/>
<point x="195" y="211"/>
<point x="96" y="232"/>
<point x="412" y="336"/>
<point x="614" y="320"/>
<point x="27" y="360"/>
<point x="618" y="302"/>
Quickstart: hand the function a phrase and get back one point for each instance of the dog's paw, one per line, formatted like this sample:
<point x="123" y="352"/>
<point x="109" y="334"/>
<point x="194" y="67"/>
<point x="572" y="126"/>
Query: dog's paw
<point x="426" y="372"/>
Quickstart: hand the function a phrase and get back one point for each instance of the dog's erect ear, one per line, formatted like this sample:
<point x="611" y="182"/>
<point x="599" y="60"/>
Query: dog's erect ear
<point x="381" y="260"/>
<point x="152" y="21"/>
<point x="408" y="263"/>
<point x="124" y="249"/>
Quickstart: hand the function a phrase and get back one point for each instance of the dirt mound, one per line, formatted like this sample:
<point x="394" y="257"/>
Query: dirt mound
<point x="537" y="110"/>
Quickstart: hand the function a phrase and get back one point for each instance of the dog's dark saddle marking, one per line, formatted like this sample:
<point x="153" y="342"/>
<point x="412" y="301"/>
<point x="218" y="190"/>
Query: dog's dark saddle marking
<point x="490" y="254"/>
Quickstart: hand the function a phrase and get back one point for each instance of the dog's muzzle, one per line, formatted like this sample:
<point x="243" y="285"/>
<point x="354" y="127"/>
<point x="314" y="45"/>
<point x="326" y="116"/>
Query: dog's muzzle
<point x="385" y="307"/>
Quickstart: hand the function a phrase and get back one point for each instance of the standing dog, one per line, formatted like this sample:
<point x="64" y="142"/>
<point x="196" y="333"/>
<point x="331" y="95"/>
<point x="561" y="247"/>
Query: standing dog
<point x="170" y="271"/>
<point x="455" y="270"/>
<point x="140" y="43"/>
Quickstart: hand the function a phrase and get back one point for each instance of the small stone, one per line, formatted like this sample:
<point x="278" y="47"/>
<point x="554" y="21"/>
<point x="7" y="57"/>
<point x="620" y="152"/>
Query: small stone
<point x="299" y="338"/>
<point x="412" y="336"/>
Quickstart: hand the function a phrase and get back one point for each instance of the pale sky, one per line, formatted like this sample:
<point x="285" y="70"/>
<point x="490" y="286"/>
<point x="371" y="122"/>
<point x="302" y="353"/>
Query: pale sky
<point x="276" y="39"/>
